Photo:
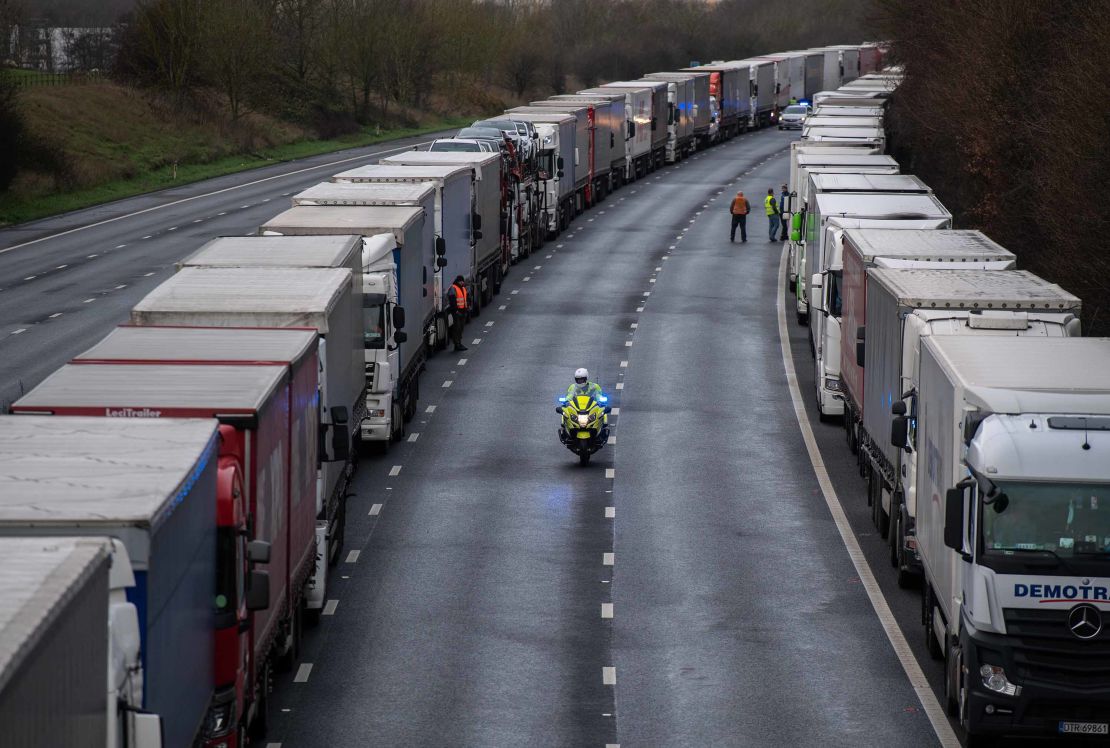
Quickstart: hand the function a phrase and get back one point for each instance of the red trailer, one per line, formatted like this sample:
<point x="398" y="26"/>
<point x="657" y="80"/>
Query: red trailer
<point x="261" y="386"/>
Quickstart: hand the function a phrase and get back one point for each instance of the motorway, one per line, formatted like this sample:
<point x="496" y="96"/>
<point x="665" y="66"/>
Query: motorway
<point x="712" y="578"/>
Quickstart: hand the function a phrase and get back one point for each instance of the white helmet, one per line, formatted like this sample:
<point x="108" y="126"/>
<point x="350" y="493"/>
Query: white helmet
<point x="581" y="373"/>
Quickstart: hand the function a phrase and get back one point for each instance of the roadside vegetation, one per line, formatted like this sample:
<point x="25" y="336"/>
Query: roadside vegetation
<point x="1003" y="113"/>
<point x="165" y="91"/>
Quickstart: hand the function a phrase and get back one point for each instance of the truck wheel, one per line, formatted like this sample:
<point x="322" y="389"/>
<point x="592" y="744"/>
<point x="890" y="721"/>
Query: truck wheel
<point x="894" y="537"/>
<point x="260" y="725"/>
<point x="340" y="532"/>
<point x="790" y="291"/>
<point x="878" y="516"/>
<point x="952" y="666"/>
<point x="931" y="644"/>
<point x="802" y="317"/>
<point x="397" y="419"/>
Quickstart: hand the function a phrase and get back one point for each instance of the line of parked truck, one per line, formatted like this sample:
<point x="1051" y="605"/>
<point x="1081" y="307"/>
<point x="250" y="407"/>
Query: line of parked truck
<point x="978" y="417"/>
<point x="172" y="500"/>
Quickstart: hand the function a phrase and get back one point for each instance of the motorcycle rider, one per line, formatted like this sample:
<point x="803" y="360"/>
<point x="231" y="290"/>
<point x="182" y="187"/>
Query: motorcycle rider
<point x="583" y="386"/>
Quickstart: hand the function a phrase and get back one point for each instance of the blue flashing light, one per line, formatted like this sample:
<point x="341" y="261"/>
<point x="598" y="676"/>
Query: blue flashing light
<point x="562" y="399"/>
<point x="602" y="399"/>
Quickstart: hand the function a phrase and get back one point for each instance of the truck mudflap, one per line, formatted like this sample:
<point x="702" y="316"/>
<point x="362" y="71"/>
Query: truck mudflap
<point x="1051" y="684"/>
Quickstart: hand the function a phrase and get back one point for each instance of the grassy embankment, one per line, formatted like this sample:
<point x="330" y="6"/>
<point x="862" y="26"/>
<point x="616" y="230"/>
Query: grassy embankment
<point x="101" y="142"/>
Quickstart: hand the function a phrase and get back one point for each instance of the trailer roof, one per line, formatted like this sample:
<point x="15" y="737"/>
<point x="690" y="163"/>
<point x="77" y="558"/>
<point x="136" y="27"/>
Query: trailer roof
<point x="224" y="344"/>
<point x="595" y="96"/>
<point x="1059" y="365"/>
<point x="38" y="579"/>
<point x="816" y="158"/>
<point x="684" y="75"/>
<point x="396" y="172"/>
<point x="933" y="244"/>
<point x="275" y="251"/>
<point x="847" y="111"/>
<point x="421" y="158"/>
<point x="818" y="120"/>
<point x="235" y="297"/>
<point x="974" y="289"/>
<point x="859" y="133"/>
<point x="891" y="205"/>
<point x="868" y="183"/>
<point x="57" y="470"/>
<point x="208" y="390"/>
<point x="638" y="83"/>
<point x="538" y="107"/>
<point x="365" y="220"/>
<point x="552" y="117"/>
<point x="369" y="193"/>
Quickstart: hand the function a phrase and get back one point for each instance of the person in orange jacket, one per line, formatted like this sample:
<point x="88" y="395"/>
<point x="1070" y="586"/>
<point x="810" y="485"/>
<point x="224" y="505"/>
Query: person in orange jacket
<point x="739" y="209"/>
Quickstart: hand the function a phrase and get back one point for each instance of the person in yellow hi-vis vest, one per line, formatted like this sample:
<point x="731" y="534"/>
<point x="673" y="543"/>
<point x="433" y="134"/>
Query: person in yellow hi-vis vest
<point x="772" y="214"/>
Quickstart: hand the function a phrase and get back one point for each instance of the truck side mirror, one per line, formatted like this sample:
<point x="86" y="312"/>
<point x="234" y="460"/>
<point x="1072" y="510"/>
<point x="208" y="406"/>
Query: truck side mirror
<point x="860" y="341"/>
<point x="258" y="591"/>
<point x="441" y="262"/>
<point x="612" y="141"/>
<point x="898" y="408"/>
<point x="340" y="434"/>
<point x="441" y="246"/>
<point x="631" y="129"/>
<point x="559" y="165"/>
<point x="398" y="318"/>
<point x="954" y="519"/>
<point x="258" y="551"/>
<point x="146" y="730"/>
<point x="899" y="430"/>
<point x="400" y="337"/>
<point x="476" y="221"/>
<point x="559" y="174"/>
<point x="653" y="121"/>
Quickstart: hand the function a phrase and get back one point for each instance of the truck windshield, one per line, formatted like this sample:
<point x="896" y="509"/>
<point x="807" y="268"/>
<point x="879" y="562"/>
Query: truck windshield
<point x="373" y="326"/>
<point x="441" y="146"/>
<point x="547" y="162"/>
<point x="1066" y="519"/>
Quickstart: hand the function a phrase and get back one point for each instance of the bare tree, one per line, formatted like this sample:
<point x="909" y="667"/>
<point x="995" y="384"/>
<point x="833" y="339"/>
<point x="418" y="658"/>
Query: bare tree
<point x="236" y="50"/>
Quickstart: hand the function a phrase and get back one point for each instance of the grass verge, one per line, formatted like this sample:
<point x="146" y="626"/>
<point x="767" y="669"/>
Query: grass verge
<point x="16" y="209"/>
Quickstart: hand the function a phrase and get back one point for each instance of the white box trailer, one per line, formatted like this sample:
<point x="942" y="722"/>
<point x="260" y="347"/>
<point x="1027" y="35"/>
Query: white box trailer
<point x="841" y="110"/>
<point x="278" y="251"/>
<point x="657" y="122"/>
<point x="807" y="161"/>
<point x="850" y="97"/>
<point x="615" y="120"/>
<point x="488" y="230"/>
<point x="585" y="178"/>
<point x="814" y="74"/>
<point x="680" y="95"/>
<point x="910" y="306"/>
<point x="696" y="111"/>
<point x="452" y="244"/>
<point x="605" y="120"/>
<point x="873" y="137"/>
<point x="149" y="483"/>
<point x="1012" y="529"/>
<point x="822" y="120"/>
<point x="638" y="134"/>
<point x="69" y="645"/>
<point x="326" y="299"/>
<point x="556" y="154"/>
<point x="874" y="205"/>
<point x="848" y="62"/>
<point x="761" y="90"/>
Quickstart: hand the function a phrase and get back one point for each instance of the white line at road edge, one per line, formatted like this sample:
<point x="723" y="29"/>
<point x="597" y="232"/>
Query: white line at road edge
<point x="913" y="670"/>
<point x="209" y="194"/>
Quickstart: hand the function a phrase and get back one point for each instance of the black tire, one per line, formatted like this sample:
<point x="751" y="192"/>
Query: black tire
<point x="951" y="686"/>
<point x="803" y="318"/>
<point x="789" y="286"/>
<point x="336" y="549"/>
<point x="879" y="517"/>
<point x="397" y="420"/>
<point x="260" y="725"/>
<point x="584" y="455"/>
<point x="932" y="646"/>
<point x="312" y="616"/>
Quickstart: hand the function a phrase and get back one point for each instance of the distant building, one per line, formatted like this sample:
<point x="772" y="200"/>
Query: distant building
<point x="57" y="49"/>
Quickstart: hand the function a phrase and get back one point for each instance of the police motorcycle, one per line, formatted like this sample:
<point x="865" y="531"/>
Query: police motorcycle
<point x="584" y="428"/>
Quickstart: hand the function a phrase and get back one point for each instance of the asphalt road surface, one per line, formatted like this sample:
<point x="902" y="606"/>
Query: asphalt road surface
<point x="689" y="587"/>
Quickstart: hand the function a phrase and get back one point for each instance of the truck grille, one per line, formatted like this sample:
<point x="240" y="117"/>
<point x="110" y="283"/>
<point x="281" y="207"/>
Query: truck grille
<point x="1045" y="650"/>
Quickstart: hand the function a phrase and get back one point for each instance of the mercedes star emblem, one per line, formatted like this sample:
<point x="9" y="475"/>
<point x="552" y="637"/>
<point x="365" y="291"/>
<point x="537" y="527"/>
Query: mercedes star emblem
<point x="1085" y="621"/>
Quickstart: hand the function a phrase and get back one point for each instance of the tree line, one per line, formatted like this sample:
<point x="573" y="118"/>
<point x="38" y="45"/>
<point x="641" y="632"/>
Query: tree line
<point x="1003" y="113"/>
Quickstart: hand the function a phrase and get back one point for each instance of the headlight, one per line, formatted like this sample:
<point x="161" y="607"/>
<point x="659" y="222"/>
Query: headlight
<point x="832" y="384"/>
<point x="219" y="719"/>
<point x="583" y="419"/>
<point x="376" y="413"/>
<point x="994" y="679"/>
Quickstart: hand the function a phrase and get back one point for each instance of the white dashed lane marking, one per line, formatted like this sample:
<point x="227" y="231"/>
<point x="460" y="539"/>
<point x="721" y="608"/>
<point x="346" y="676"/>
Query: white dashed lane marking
<point x="395" y="470"/>
<point x="608" y="559"/>
<point x="609" y="676"/>
<point x="430" y="409"/>
<point x="448" y="383"/>
<point x="610" y="472"/>
<point x="607" y="610"/>
<point x="610" y="512"/>
<point x="414" y="436"/>
<point x="375" y="510"/>
<point x="352" y="557"/>
<point x="303" y="672"/>
<point x="330" y="606"/>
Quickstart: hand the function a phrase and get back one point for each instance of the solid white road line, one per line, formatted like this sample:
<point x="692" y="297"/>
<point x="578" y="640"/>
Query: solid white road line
<point x="303" y="672"/>
<point x="916" y="676"/>
<point x="608" y="559"/>
<point x="329" y="607"/>
<point x="610" y="512"/>
<point x="608" y="676"/>
<point x="395" y="470"/>
<point x="375" y="510"/>
<point x="352" y="557"/>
